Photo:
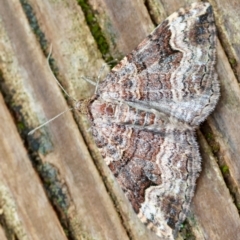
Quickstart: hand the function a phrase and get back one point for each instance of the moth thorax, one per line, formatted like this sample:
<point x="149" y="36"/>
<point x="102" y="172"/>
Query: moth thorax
<point x="100" y="108"/>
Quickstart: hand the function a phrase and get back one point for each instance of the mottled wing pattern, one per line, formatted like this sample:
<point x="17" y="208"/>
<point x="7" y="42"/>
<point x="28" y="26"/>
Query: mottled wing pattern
<point x="156" y="167"/>
<point x="172" y="70"/>
<point x="145" y="113"/>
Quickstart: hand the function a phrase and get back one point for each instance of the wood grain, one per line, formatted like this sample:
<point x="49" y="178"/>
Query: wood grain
<point x="67" y="187"/>
<point x="213" y="214"/>
<point x="2" y="234"/>
<point x="26" y="211"/>
<point x="124" y="23"/>
<point x="60" y="154"/>
<point x="227" y="18"/>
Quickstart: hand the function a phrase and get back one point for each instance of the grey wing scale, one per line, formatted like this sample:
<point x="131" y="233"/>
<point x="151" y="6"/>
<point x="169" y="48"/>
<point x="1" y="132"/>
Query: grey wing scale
<point x="173" y="70"/>
<point x="145" y="113"/>
<point x="156" y="170"/>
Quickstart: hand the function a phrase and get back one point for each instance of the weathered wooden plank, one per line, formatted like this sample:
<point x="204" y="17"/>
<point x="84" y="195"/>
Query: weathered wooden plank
<point x="124" y="23"/>
<point x="60" y="154"/>
<point x="2" y="234"/>
<point x="156" y="11"/>
<point x="227" y="18"/>
<point x="26" y="211"/>
<point x="214" y="215"/>
<point x="225" y="123"/>
<point x="60" y="145"/>
<point x="135" y="228"/>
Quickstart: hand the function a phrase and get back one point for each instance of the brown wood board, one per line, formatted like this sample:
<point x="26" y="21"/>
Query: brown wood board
<point x="83" y="198"/>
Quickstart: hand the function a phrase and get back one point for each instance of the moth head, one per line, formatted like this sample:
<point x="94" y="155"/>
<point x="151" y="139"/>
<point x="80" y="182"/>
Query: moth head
<point x="82" y="106"/>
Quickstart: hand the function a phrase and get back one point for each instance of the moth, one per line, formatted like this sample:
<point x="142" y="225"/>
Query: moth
<point x="145" y="113"/>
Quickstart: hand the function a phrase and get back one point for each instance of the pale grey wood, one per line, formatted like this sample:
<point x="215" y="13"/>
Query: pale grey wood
<point x="87" y="207"/>
<point x="31" y="86"/>
<point x="25" y="208"/>
<point x="227" y="18"/>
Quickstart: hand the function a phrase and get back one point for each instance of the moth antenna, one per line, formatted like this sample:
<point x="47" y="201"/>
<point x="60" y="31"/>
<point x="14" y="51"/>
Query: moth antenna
<point x="35" y="129"/>
<point x="89" y="81"/>
<point x="101" y="71"/>
<point x="59" y="84"/>
<point x="98" y="77"/>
